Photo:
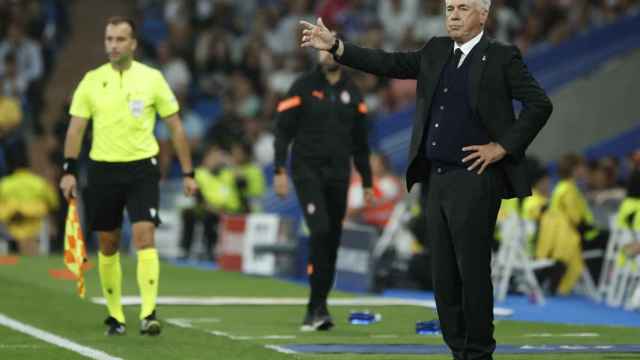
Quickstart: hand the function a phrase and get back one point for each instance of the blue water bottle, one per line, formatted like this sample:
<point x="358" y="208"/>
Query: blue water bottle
<point x="431" y="327"/>
<point x="363" y="318"/>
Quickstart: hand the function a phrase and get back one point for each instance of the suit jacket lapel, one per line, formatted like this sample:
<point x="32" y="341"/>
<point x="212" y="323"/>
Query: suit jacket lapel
<point x="478" y="60"/>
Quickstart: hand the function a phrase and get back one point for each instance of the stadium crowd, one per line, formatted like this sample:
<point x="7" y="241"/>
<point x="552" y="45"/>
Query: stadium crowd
<point x="230" y="62"/>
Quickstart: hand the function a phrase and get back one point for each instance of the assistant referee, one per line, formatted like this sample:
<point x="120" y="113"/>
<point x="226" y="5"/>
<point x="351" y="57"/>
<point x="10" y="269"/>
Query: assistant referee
<point x="122" y="98"/>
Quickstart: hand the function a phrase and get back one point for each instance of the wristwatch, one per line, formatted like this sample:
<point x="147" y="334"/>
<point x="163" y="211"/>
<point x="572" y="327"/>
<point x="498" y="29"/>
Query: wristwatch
<point x="336" y="45"/>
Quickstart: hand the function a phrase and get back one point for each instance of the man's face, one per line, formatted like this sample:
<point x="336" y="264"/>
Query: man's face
<point x="326" y="61"/>
<point x="119" y="43"/>
<point x="465" y="19"/>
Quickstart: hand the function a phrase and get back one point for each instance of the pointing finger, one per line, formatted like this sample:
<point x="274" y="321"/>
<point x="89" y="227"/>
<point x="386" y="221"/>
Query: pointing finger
<point x="307" y="25"/>
<point x="321" y="23"/>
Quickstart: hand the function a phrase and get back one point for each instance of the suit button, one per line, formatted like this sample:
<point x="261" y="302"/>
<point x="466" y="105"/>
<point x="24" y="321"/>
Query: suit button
<point x="437" y="125"/>
<point x="441" y="107"/>
<point x="439" y="170"/>
<point x="446" y="90"/>
<point x="433" y="143"/>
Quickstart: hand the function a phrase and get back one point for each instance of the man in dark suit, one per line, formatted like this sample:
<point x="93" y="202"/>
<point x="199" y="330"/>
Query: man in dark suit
<point x="467" y="146"/>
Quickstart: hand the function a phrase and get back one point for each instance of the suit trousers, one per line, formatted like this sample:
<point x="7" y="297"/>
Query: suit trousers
<point x="324" y="203"/>
<point x="462" y="208"/>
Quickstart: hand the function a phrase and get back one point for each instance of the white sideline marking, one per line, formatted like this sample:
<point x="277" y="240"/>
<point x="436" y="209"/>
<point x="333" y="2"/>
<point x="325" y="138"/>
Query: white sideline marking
<point x="563" y="335"/>
<point x="223" y="300"/>
<point x="280" y="349"/>
<point x="20" y="346"/>
<point x="188" y="324"/>
<point x="389" y="336"/>
<point x="55" y="339"/>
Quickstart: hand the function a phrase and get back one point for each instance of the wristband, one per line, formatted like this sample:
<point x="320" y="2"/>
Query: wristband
<point x="70" y="166"/>
<point x="190" y="174"/>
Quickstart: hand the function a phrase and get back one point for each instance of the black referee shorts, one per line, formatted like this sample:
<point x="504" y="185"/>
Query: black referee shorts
<point x="112" y="187"/>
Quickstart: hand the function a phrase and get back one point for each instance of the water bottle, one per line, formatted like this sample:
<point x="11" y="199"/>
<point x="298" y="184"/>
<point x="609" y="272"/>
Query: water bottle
<point x="363" y="318"/>
<point x="431" y="327"/>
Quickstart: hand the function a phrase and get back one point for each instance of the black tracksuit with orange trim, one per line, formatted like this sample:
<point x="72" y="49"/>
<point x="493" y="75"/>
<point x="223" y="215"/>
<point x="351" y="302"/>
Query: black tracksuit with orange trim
<point x="327" y="126"/>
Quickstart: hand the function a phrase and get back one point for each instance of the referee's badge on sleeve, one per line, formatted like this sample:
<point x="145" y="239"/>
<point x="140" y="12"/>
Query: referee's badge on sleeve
<point x="136" y="107"/>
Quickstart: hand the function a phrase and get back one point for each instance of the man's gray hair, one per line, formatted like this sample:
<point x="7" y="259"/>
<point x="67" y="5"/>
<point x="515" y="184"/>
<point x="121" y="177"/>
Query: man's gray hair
<point x="484" y="4"/>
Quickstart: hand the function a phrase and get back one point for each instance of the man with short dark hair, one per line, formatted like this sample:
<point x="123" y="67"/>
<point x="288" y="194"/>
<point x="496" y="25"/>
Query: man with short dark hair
<point x="324" y="116"/>
<point x="122" y="99"/>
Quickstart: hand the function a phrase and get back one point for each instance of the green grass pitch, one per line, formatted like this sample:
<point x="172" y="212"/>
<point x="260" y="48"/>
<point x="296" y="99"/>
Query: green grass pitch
<point x="30" y="295"/>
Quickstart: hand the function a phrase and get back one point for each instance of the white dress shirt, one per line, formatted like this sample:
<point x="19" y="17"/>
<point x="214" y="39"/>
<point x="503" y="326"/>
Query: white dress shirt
<point x="467" y="47"/>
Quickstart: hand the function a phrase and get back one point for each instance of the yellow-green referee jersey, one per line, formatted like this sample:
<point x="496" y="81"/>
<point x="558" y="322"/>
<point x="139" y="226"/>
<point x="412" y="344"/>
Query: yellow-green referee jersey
<point x="123" y="106"/>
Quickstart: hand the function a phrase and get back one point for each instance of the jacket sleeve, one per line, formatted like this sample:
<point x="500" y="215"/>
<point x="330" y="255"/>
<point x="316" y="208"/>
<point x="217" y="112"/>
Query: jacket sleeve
<point x="361" y="150"/>
<point x="536" y="106"/>
<point x="399" y="65"/>
<point x="288" y="114"/>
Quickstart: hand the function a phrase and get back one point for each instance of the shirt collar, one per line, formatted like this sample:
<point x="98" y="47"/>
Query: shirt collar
<point x="469" y="45"/>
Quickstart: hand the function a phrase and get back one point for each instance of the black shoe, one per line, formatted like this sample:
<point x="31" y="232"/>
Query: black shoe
<point x="114" y="327"/>
<point x="150" y="325"/>
<point x="318" y="319"/>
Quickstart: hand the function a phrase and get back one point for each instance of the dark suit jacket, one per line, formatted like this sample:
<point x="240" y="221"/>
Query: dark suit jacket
<point x="497" y="76"/>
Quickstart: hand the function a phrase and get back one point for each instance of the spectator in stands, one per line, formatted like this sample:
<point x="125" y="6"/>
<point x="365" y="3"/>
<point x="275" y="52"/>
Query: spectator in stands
<point x="506" y="21"/>
<point x="193" y="126"/>
<point x="217" y="195"/>
<point x="10" y="115"/>
<point x="397" y="17"/>
<point x="27" y="53"/>
<point x="430" y="22"/>
<point x="227" y="128"/>
<point x="213" y="61"/>
<point x="534" y="205"/>
<point x="284" y="40"/>
<point x="532" y="209"/>
<point x="246" y="101"/>
<point x="14" y="84"/>
<point x="11" y="139"/>
<point x="567" y="228"/>
<point x="249" y="178"/>
<point x="174" y="69"/>
<point x="25" y="201"/>
<point x="628" y="216"/>
<point x="262" y="141"/>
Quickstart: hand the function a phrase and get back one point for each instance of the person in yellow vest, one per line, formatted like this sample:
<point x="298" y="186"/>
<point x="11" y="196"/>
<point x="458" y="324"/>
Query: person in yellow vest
<point x="249" y="177"/>
<point x="26" y="199"/>
<point x="628" y="216"/>
<point x="567" y="228"/>
<point x="217" y="195"/>
<point x="533" y="208"/>
<point x="122" y="99"/>
<point x="10" y="114"/>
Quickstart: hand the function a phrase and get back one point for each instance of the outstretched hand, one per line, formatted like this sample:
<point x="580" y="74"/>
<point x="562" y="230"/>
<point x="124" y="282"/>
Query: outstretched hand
<point x="317" y="36"/>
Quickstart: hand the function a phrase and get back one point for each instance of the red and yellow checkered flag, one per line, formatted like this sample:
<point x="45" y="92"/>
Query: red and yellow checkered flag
<point x="75" y="252"/>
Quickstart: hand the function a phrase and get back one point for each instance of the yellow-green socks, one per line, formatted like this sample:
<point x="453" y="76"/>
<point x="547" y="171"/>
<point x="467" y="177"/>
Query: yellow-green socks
<point x="148" y="274"/>
<point x="111" y="282"/>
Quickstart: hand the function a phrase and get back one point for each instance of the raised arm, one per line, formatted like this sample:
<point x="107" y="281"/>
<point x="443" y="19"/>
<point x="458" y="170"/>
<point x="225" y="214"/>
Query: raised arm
<point x="400" y="65"/>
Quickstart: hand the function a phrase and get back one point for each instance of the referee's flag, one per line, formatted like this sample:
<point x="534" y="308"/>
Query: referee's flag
<point x="75" y="252"/>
